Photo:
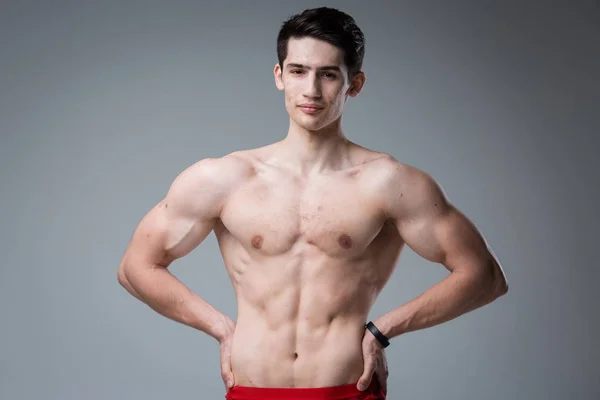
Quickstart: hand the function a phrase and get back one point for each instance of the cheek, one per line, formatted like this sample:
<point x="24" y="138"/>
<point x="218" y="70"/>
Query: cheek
<point x="292" y="88"/>
<point x="291" y="94"/>
<point x="338" y="101"/>
<point x="289" y="100"/>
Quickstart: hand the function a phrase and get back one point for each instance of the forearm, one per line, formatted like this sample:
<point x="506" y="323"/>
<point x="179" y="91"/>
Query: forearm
<point x="456" y="295"/>
<point x="164" y="293"/>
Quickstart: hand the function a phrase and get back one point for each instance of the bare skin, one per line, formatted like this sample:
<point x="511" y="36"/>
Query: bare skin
<point x="310" y="229"/>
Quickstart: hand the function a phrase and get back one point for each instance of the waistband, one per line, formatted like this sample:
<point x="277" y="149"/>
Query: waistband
<point x="342" y="392"/>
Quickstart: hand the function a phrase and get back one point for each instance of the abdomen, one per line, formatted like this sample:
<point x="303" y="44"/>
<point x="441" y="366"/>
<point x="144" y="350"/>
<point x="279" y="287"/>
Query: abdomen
<point x="297" y="354"/>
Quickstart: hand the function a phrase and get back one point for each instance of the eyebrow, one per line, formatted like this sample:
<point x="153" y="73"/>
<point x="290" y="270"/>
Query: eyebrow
<point x="324" y="68"/>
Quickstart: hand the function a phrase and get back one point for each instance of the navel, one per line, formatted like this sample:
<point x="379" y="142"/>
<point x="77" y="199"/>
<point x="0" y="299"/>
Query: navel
<point x="345" y="241"/>
<point x="257" y="241"/>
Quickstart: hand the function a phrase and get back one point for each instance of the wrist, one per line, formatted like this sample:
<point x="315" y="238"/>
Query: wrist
<point x="384" y="327"/>
<point x="223" y="328"/>
<point x="377" y="335"/>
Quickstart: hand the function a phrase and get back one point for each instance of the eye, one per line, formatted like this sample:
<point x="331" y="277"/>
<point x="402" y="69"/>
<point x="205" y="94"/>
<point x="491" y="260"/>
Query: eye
<point x="296" y="71"/>
<point x="329" y="75"/>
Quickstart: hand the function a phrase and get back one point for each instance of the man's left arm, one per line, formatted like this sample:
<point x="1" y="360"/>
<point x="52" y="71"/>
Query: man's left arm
<point x="436" y="230"/>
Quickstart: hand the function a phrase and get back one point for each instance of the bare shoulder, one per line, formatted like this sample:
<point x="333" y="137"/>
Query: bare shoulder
<point x="204" y="185"/>
<point x="403" y="174"/>
<point x="220" y="172"/>
<point x="389" y="171"/>
<point x="406" y="189"/>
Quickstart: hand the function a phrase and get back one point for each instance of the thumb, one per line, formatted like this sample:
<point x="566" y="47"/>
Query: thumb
<point x="228" y="379"/>
<point x="227" y="374"/>
<point x="365" y="379"/>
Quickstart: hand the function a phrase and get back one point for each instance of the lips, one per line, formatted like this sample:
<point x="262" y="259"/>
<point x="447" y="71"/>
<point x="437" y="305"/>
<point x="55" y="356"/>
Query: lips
<point x="310" y="108"/>
<point x="310" y="105"/>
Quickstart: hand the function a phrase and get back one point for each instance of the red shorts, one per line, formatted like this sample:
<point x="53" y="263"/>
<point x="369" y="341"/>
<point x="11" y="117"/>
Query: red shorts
<point x="344" y="392"/>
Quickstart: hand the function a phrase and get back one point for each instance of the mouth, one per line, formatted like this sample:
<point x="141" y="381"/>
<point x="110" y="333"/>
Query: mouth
<point x="310" y="109"/>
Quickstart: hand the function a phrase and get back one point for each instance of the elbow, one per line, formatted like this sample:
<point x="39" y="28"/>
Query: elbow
<point x="499" y="285"/>
<point x="490" y="290"/>
<point x="122" y="276"/>
<point x="491" y="285"/>
<point x="500" y="289"/>
<point x="124" y="281"/>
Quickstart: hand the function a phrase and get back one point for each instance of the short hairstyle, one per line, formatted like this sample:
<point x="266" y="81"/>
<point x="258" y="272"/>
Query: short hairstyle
<point x="327" y="24"/>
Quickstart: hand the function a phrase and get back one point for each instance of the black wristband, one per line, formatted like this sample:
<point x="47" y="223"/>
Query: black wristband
<point x="380" y="336"/>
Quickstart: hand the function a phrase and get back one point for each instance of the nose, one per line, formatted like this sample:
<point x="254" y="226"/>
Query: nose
<point x="313" y="87"/>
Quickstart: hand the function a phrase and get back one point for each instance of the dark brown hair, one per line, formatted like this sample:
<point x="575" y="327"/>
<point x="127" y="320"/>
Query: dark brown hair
<point x="327" y="24"/>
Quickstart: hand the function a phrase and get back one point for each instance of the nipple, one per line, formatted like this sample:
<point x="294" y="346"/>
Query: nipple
<point x="345" y="241"/>
<point x="257" y="241"/>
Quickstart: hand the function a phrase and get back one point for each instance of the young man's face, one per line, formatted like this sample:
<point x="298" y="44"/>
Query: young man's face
<point x="314" y="74"/>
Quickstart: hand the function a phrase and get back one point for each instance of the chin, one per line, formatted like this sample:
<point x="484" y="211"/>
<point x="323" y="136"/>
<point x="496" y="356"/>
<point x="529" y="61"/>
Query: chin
<point x="312" y="124"/>
<point x="316" y="126"/>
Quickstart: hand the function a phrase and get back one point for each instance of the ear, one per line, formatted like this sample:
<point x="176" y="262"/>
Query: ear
<point x="358" y="82"/>
<point x="277" y="72"/>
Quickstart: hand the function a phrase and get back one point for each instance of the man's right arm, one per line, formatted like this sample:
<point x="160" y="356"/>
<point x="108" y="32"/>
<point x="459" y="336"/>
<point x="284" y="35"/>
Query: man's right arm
<point x="171" y="230"/>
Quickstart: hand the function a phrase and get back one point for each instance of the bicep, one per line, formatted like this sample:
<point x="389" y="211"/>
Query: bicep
<point x="164" y="235"/>
<point x="179" y="222"/>
<point x="445" y="236"/>
<point x="434" y="228"/>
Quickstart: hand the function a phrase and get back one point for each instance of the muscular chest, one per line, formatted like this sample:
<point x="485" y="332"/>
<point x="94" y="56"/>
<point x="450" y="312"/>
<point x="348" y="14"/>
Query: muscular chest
<point x="330" y="214"/>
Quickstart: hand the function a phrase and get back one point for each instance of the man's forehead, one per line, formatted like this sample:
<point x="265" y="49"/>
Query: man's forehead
<point x="313" y="53"/>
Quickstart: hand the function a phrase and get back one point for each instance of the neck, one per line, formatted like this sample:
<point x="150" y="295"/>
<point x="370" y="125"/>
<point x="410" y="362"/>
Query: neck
<point x="315" y="151"/>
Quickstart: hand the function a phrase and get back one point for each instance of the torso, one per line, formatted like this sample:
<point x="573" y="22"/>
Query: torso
<point x="307" y="257"/>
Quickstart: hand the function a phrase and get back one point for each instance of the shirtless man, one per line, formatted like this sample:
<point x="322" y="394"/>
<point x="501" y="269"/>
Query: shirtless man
<point x="310" y="229"/>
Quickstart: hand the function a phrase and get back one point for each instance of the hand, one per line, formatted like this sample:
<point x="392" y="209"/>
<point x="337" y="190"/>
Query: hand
<point x="225" y="344"/>
<point x="375" y="363"/>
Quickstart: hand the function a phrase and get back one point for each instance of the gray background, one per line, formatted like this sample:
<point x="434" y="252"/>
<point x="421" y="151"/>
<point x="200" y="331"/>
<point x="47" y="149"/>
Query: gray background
<point x="103" y="103"/>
